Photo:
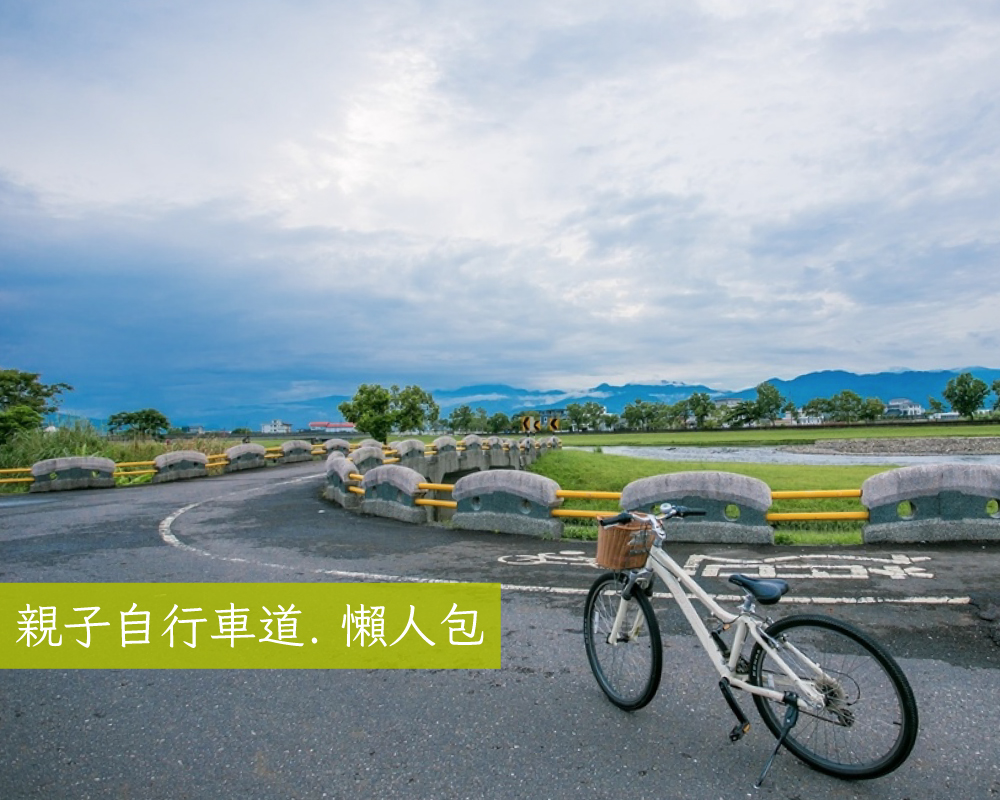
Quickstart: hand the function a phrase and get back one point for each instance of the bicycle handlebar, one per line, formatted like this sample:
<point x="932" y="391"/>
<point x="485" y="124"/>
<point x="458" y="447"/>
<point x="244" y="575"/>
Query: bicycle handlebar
<point x="667" y="510"/>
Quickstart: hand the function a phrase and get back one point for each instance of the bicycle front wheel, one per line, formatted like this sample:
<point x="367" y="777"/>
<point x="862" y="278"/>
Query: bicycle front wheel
<point x="627" y="669"/>
<point x="868" y="725"/>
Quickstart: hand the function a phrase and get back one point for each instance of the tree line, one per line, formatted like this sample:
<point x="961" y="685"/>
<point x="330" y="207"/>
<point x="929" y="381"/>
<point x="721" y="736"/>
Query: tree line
<point x="379" y="411"/>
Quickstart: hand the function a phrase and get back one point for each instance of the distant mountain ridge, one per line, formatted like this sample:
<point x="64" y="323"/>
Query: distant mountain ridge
<point x="914" y="385"/>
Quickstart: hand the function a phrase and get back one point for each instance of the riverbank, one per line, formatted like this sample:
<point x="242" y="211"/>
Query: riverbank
<point x="900" y="446"/>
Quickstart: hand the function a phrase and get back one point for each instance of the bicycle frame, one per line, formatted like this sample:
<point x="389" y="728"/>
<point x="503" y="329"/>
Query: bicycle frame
<point x="747" y="623"/>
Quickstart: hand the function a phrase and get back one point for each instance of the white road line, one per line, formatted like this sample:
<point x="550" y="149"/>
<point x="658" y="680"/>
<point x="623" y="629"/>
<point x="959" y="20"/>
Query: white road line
<point x="170" y="538"/>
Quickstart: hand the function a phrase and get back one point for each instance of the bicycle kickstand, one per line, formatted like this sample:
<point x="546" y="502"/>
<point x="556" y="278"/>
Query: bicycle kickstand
<point x="791" y="717"/>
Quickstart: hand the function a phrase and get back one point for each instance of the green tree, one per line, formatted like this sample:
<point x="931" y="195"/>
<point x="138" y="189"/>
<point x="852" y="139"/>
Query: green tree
<point x="769" y="403"/>
<point x="639" y="415"/>
<point x="16" y="419"/>
<point x="413" y="409"/>
<point x="378" y="411"/>
<point x="370" y="411"/>
<point x="498" y="423"/>
<point x="592" y="413"/>
<point x="846" y="406"/>
<point x="610" y="421"/>
<point x="820" y="407"/>
<point x="872" y="409"/>
<point x="701" y="406"/>
<point x="744" y="413"/>
<point x="669" y="415"/>
<point x="966" y="394"/>
<point x="460" y="419"/>
<point x="19" y="388"/>
<point x="996" y="390"/>
<point x="138" y="424"/>
<point x="575" y="416"/>
<point x="934" y="406"/>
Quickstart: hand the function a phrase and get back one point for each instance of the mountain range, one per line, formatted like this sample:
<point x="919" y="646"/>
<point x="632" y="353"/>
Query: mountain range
<point x="917" y="386"/>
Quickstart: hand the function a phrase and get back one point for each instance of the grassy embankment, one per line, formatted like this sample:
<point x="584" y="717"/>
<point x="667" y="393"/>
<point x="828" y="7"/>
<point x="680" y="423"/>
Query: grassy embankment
<point x="598" y="471"/>
<point x="30" y="447"/>
<point x="579" y="469"/>
<point x="583" y="470"/>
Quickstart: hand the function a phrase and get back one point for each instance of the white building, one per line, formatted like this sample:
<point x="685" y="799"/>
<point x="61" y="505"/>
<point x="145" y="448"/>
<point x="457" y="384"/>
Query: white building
<point x="276" y="426"/>
<point x="901" y="407"/>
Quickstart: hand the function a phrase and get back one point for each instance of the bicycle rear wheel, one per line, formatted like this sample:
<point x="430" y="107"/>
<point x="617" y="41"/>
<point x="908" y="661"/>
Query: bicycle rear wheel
<point x="869" y="724"/>
<point x="628" y="670"/>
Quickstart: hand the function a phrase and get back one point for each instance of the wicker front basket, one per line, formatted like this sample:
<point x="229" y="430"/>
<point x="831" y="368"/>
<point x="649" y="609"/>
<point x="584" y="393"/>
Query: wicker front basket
<point x="623" y="546"/>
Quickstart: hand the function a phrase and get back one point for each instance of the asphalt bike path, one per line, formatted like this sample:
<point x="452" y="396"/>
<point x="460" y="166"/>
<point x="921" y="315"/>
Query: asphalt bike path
<point x="539" y="727"/>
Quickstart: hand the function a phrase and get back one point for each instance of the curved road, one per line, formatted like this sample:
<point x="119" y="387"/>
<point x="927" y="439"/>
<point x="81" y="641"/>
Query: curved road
<point x="538" y="727"/>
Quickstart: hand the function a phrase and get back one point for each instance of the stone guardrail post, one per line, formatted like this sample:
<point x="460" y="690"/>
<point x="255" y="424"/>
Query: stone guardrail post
<point x="528" y="452"/>
<point x="73" y="472"/>
<point x="412" y="453"/>
<point x="390" y="491"/>
<point x="736" y="505"/>
<point x="339" y="481"/>
<point x="246" y="456"/>
<point x="366" y="458"/>
<point x="933" y="503"/>
<point x="337" y="445"/>
<point x="496" y="456"/>
<point x="370" y="443"/>
<point x="445" y="461"/>
<point x="473" y="456"/>
<point x="507" y="501"/>
<point x="180" y="465"/>
<point x="295" y="451"/>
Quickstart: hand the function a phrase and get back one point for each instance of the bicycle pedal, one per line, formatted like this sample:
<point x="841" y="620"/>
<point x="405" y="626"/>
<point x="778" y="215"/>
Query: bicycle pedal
<point x="739" y="731"/>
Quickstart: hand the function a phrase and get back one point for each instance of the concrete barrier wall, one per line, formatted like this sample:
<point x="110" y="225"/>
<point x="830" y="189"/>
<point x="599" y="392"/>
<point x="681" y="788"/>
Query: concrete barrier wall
<point x="337" y="445"/>
<point x="933" y="503"/>
<point x="507" y="501"/>
<point x="391" y="491"/>
<point x="367" y="458"/>
<point x="735" y="504"/>
<point x="473" y="457"/>
<point x="339" y="469"/>
<point x="73" y="472"/>
<point x="246" y="456"/>
<point x="180" y="465"/>
<point x="445" y="461"/>
<point x="295" y="451"/>
<point x="411" y="453"/>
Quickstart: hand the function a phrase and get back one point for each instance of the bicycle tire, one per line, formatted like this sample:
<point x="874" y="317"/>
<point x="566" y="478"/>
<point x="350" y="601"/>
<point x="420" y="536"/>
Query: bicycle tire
<point x="870" y="722"/>
<point x="629" y="671"/>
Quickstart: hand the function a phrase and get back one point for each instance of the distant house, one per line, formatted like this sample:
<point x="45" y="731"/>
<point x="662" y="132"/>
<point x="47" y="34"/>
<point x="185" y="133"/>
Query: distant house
<point x="333" y="427"/>
<point x="276" y="426"/>
<point x="901" y="407"/>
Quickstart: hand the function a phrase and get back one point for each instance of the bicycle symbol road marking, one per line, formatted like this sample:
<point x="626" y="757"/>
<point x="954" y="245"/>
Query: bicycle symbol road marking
<point x="816" y="566"/>
<point x="566" y="558"/>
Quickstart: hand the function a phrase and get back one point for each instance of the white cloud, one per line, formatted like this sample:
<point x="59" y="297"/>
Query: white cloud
<point x="540" y="194"/>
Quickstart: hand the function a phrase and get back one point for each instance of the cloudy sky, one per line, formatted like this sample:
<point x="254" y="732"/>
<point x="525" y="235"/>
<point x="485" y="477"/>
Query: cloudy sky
<point x="204" y="203"/>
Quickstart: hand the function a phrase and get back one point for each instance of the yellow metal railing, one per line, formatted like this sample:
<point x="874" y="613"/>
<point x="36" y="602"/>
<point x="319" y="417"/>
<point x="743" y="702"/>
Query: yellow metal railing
<point x="128" y="469"/>
<point x="132" y="472"/>
<point x="16" y="471"/>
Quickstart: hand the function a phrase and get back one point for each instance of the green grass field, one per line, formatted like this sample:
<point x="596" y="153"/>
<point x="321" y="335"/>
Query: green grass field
<point x="773" y="437"/>
<point x="577" y="469"/>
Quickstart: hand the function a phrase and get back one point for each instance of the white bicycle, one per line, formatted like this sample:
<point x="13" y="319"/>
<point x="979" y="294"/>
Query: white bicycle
<point x="831" y="694"/>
